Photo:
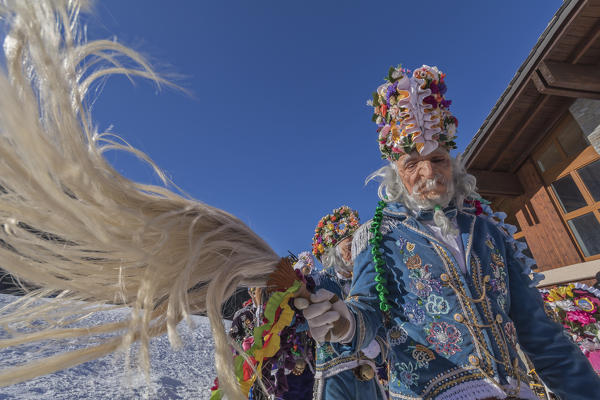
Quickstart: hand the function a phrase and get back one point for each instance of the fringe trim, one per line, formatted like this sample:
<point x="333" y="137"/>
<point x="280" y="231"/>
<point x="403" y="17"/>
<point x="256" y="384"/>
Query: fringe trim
<point x="483" y="389"/>
<point x="509" y="230"/>
<point x="362" y="235"/>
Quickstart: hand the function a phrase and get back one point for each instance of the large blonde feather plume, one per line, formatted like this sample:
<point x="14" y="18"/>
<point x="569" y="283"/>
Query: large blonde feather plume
<point x="81" y="235"/>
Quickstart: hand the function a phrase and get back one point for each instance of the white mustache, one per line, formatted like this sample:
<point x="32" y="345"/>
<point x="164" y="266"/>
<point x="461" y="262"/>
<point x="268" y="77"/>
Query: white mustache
<point x="428" y="184"/>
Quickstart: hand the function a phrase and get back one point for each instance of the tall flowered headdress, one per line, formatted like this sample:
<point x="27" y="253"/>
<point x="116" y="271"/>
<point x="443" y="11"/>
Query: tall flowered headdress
<point x="412" y="113"/>
<point x="333" y="228"/>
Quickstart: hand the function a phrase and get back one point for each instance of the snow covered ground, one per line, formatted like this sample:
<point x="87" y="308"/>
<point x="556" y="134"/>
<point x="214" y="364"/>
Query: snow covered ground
<point x="184" y="374"/>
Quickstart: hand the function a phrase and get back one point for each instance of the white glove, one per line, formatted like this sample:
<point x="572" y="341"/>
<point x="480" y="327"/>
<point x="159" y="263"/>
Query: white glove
<point x="328" y="317"/>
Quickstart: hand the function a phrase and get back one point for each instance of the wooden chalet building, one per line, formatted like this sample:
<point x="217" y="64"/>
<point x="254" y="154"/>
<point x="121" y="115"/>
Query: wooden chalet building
<point x="536" y="156"/>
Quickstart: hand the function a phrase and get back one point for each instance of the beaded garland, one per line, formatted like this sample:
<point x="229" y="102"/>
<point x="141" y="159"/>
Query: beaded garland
<point x="378" y="262"/>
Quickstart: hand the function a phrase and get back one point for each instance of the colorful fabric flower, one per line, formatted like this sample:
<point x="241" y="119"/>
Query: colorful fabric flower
<point x="305" y="262"/>
<point x="444" y="337"/>
<point x="412" y="113"/>
<point x="561" y="292"/>
<point x="566" y="305"/>
<point x="577" y="308"/>
<point x="580" y="317"/>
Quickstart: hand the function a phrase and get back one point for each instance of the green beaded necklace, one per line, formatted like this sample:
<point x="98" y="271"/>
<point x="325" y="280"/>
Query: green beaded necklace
<point x="378" y="261"/>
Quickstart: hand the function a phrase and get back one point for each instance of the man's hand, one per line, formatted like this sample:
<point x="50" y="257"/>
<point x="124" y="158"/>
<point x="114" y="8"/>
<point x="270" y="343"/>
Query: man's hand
<point x="328" y="317"/>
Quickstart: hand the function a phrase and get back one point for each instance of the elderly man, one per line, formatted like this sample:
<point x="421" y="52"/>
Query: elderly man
<point x="443" y="282"/>
<point x="340" y="372"/>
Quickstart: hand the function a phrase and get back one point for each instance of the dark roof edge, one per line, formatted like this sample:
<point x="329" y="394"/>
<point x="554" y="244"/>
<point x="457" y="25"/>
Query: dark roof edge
<point x="522" y="73"/>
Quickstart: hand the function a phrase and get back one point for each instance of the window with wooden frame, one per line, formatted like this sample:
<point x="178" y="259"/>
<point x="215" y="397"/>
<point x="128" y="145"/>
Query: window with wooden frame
<point x="570" y="169"/>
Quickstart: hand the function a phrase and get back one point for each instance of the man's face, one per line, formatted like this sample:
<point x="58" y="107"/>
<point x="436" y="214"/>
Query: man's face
<point x="426" y="177"/>
<point x="345" y="247"/>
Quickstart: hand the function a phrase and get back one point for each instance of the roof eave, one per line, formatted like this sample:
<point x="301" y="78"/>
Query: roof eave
<point x="521" y="76"/>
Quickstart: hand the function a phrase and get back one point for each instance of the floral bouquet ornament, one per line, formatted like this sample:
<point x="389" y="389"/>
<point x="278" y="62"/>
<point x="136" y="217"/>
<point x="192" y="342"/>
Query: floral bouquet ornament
<point x="412" y="113"/>
<point x="577" y="308"/>
<point x="305" y="263"/>
<point x="333" y="228"/>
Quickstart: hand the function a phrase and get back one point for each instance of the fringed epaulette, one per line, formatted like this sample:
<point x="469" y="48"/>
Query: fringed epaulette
<point x="360" y="240"/>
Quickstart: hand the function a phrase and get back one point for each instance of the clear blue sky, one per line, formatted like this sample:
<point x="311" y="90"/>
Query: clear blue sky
<point x="277" y="131"/>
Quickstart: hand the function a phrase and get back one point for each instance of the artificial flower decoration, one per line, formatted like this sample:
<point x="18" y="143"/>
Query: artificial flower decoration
<point x="576" y="307"/>
<point x="305" y="262"/>
<point x="333" y="228"/>
<point x="412" y="113"/>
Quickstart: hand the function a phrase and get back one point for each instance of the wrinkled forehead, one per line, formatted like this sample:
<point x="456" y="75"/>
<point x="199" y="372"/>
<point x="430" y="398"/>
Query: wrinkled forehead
<point x="415" y="156"/>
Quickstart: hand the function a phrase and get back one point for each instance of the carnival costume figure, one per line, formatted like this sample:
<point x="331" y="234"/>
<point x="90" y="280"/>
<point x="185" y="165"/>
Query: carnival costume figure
<point x="242" y="332"/>
<point x="300" y="347"/>
<point x="83" y="239"/>
<point x="289" y="373"/>
<point x="342" y="373"/>
<point x="445" y="282"/>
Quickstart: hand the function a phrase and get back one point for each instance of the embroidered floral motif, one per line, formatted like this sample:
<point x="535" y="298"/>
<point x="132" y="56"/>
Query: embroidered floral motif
<point x="497" y="259"/>
<point x="422" y="283"/>
<point x="410" y="246"/>
<point x="422" y="356"/>
<point x="406" y="374"/>
<point x="498" y="282"/>
<point x="415" y="313"/>
<point x="501" y="300"/>
<point x="325" y="351"/>
<point x="397" y="335"/>
<point x="511" y="332"/>
<point x="413" y="262"/>
<point x="401" y="242"/>
<point x="445" y="337"/>
<point x="436" y="305"/>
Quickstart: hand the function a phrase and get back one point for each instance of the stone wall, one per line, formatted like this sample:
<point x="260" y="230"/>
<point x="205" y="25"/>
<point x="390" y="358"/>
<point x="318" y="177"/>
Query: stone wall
<point x="587" y="114"/>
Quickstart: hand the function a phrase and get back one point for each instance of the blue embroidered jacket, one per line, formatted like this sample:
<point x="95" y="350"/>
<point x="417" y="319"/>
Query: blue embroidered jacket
<point x="333" y="358"/>
<point x="454" y="335"/>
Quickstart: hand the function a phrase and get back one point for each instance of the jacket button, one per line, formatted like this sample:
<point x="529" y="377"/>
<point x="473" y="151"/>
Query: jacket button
<point x="499" y="318"/>
<point x="473" y="360"/>
<point x="444" y="277"/>
<point x="459" y="318"/>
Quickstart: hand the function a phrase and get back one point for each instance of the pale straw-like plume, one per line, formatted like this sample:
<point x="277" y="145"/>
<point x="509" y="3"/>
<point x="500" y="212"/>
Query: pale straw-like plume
<point x="83" y="236"/>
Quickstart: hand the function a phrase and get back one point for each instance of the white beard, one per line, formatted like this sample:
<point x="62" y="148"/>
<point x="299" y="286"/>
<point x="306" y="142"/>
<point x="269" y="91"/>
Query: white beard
<point x="415" y="202"/>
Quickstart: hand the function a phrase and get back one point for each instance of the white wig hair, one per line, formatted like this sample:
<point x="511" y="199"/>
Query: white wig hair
<point x="83" y="236"/>
<point x="332" y="258"/>
<point x="392" y="189"/>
